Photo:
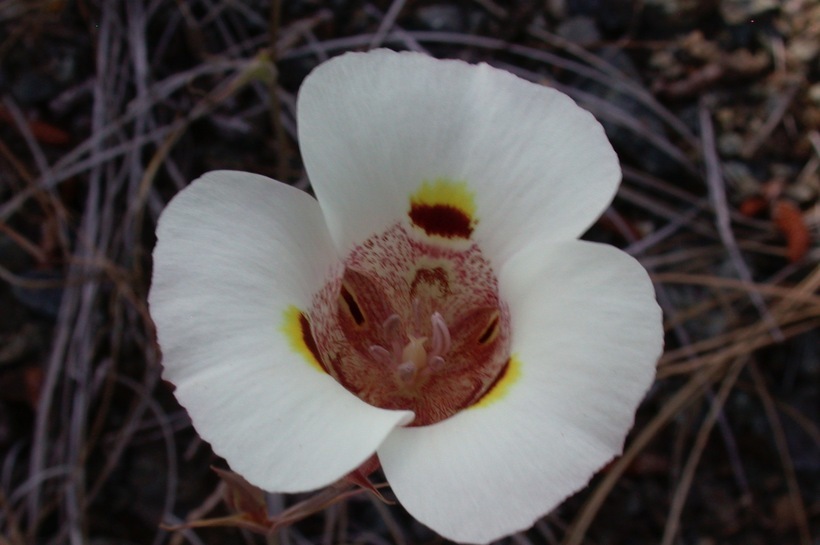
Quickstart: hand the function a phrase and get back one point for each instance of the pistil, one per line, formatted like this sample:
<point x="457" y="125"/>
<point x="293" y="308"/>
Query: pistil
<point x="412" y="357"/>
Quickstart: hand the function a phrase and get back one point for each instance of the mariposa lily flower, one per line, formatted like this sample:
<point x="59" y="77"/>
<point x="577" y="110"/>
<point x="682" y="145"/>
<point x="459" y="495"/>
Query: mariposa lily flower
<point x="433" y="306"/>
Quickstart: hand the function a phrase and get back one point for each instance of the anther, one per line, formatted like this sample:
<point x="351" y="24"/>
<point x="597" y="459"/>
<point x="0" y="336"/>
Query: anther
<point x="393" y="332"/>
<point x="381" y="354"/>
<point x="407" y="371"/>
<point x="441" y="342"/>
<point x="417" y="316"/>
<point x="436" y="363"/>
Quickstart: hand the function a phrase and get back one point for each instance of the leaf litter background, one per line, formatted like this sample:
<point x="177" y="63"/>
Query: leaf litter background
<point x="109" y="108"/>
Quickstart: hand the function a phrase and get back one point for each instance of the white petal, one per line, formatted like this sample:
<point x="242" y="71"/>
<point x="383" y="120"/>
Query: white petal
<point x="373" y="126"/>
<point x="587" y="334"/>
<point x="234" y="251"/>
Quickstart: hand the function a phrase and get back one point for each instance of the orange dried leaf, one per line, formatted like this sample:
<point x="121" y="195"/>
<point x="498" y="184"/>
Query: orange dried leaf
<point x="42" y="131"/>
<point x="49" y="134"/>
<point x="33" y="378"/>
<point x="789" y="220"/>
<point x="752" y="206"/>
<point x="648" y="463"/>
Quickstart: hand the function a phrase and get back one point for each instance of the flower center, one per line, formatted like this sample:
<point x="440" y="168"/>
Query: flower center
<point x="412" y="324"/>
<point x="412" y="363"/>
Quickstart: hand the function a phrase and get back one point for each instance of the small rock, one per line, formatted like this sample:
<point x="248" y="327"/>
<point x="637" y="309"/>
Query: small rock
<point x="730" y="144"/>
<point x="557" y="9"/>
<point x="440" y="17"/>
<point x="611" y="15"/>
<point x="804" y="49"/>
<point x="738" y="12"/>
<point x="44" y="300"/>
<point x="579" y="30"/>
<point x="661" y="15"/>
<point x="803" y="193"/>
<point x="32" y="88"/>
<point x="740" y="177"/>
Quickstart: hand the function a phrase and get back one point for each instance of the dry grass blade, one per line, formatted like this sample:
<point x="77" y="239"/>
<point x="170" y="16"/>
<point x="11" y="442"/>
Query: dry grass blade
<point x="798" y="508"/>
<point x="717" y="192"/>
<point x="705" y="369"/>
<point x="770" y="290"/>
<point x="387" y="22"/>
<point x="687" y="394"/>
<point x="688" y="475"/>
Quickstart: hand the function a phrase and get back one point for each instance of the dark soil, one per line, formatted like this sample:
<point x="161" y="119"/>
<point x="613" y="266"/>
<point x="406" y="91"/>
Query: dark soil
<point x="109" y="108"/>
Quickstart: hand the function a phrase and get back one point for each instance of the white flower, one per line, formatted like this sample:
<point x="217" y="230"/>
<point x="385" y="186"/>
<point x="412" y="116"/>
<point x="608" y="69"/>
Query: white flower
<point x="433" y="307"/>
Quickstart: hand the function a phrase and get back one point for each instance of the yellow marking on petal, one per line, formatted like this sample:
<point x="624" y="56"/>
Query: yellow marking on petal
<point x="296" y="328"/>
<point x="443" y="191"/>
<point x="509" y="376"/>
<point x="444" y="208"/>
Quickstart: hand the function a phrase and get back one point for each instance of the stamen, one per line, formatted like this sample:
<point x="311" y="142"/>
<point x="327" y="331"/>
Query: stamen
<point x="381" y="354"/>
<point x="407" y="371"/>
<point x="417" y="319"/>
<point x="441" y="341"/>
<point x="435" y="363"/>
<point x="393" y="333"/>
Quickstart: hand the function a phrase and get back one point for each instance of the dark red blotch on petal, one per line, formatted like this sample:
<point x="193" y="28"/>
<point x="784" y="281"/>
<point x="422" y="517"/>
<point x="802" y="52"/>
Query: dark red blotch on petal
<point x="488" y="333"/>
<point x="352" y="305"/>
<point x="441" y="220"/>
